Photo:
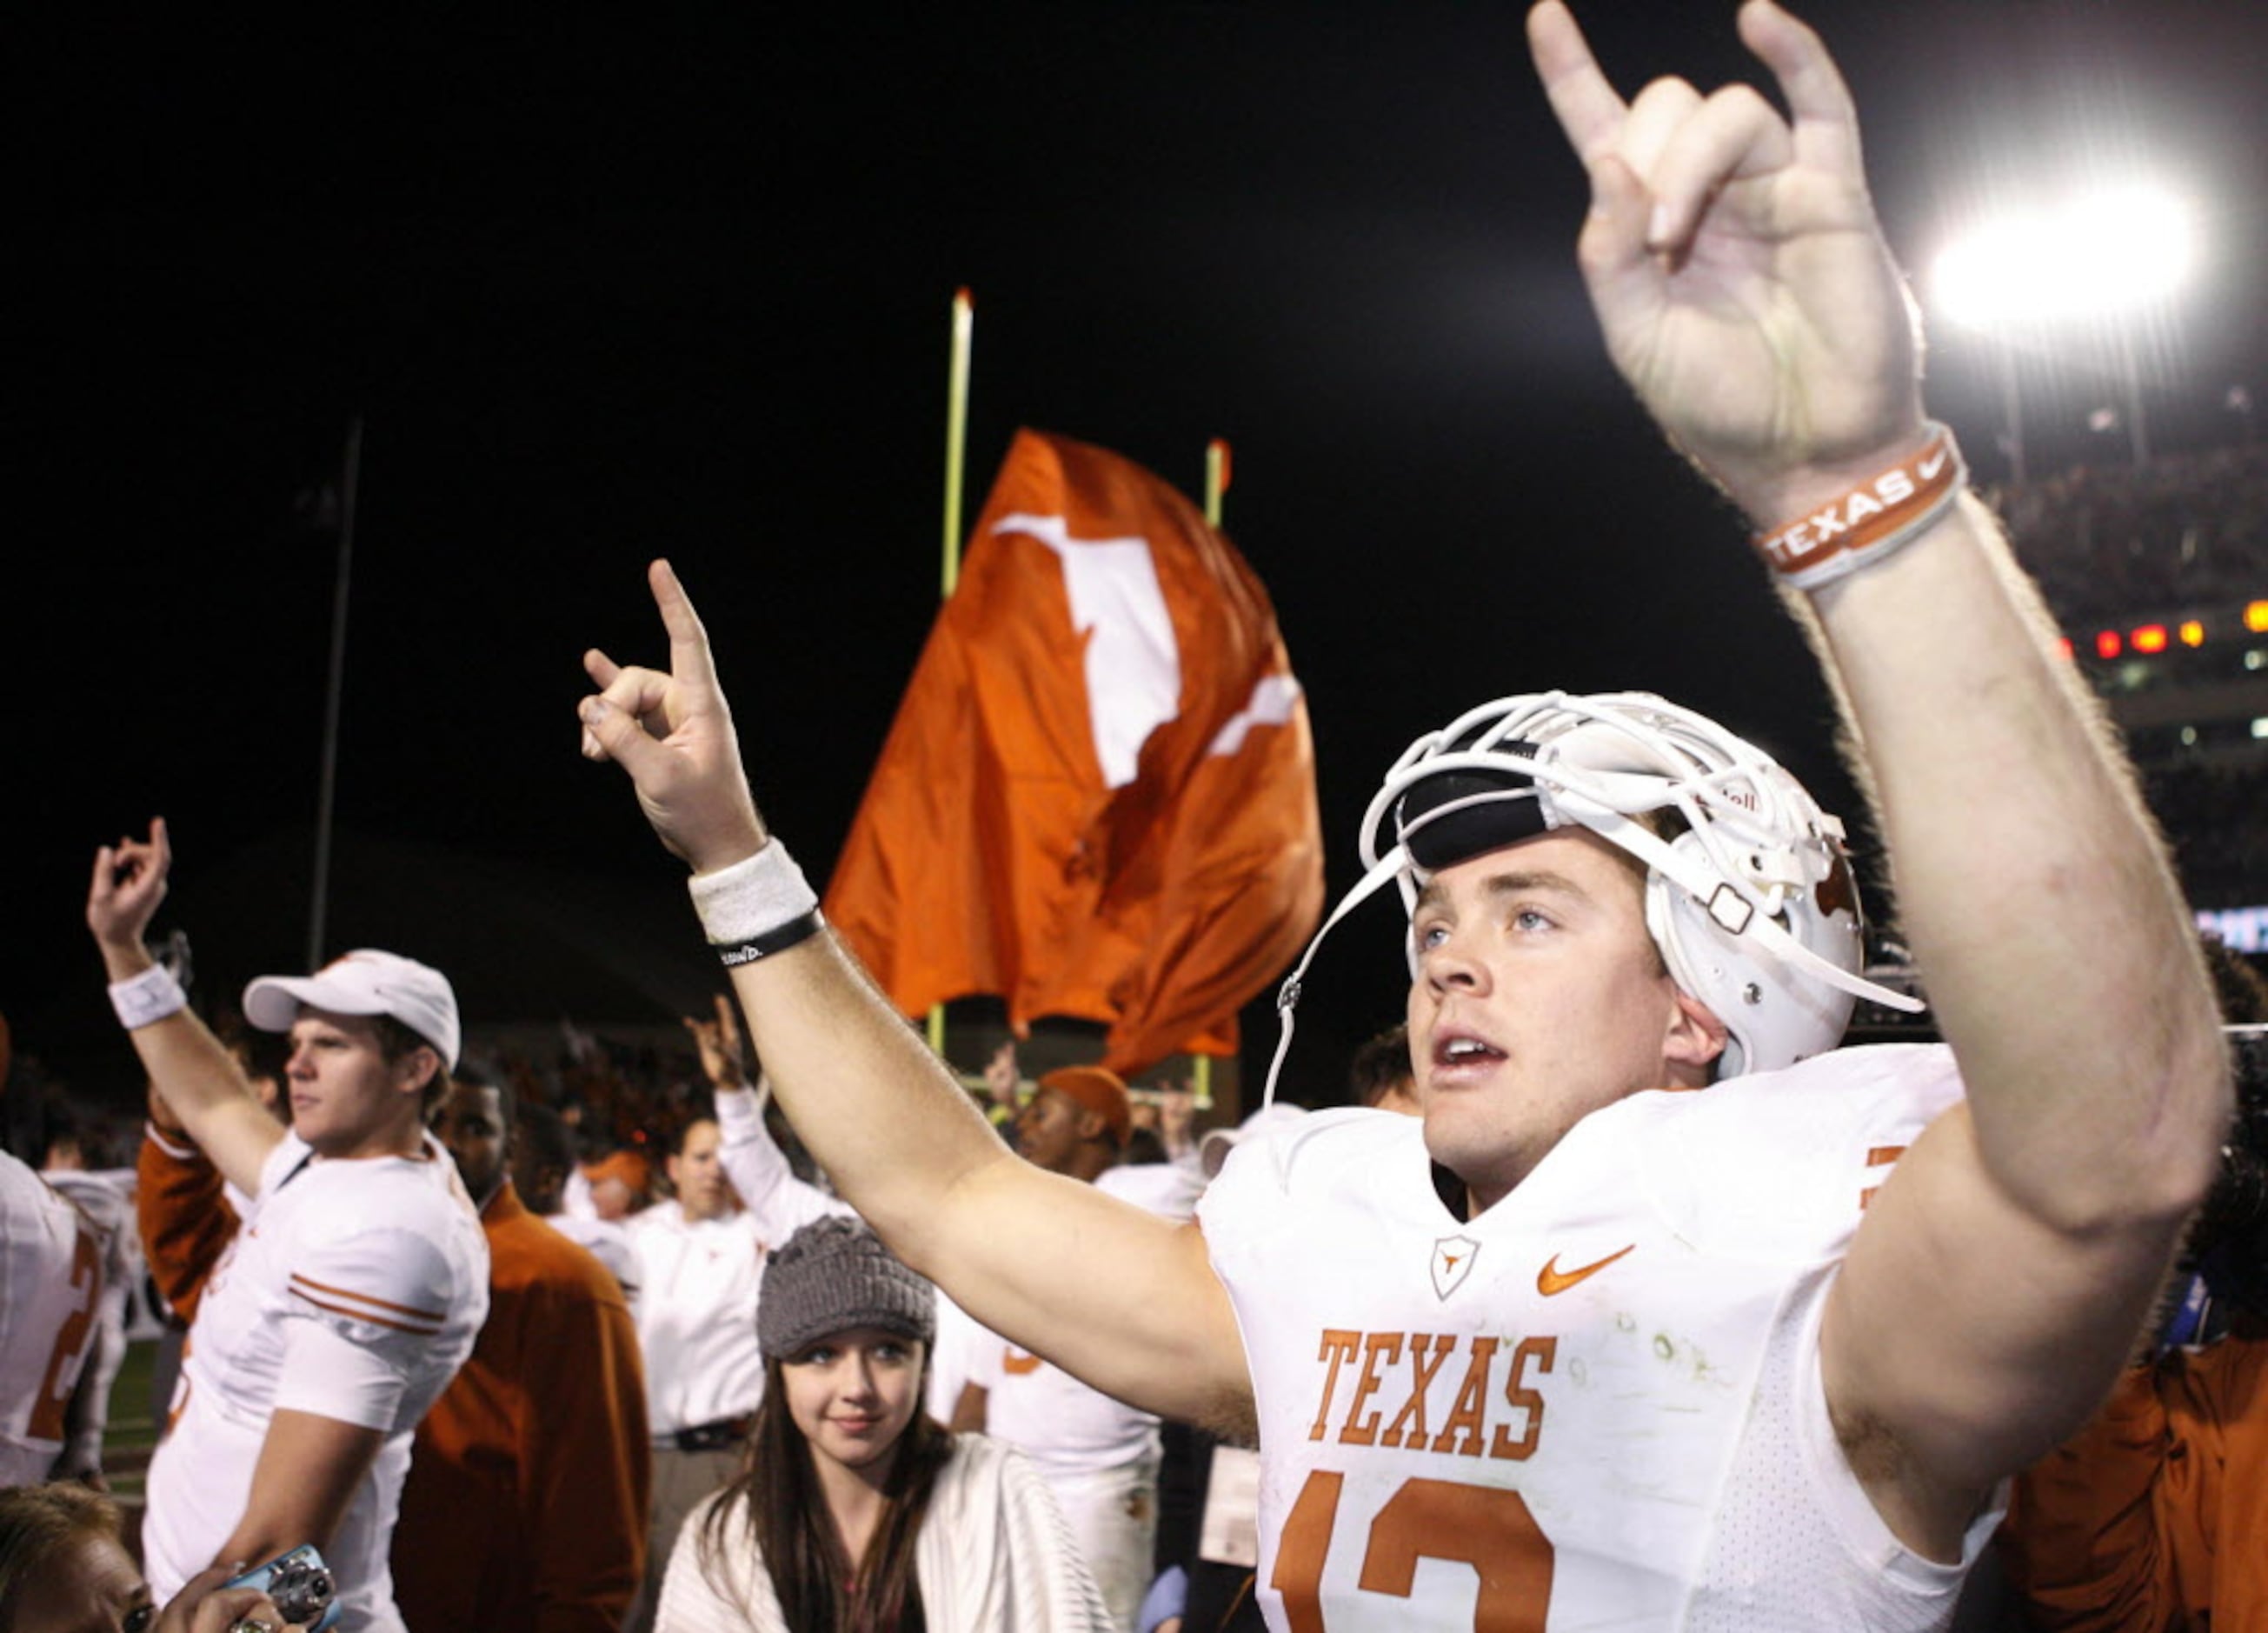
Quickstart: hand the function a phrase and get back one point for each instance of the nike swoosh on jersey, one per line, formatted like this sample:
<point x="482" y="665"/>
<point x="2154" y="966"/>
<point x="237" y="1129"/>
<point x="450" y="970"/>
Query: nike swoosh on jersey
<point x="1551" y="1279"/>
<point x="1019" y="1364"/>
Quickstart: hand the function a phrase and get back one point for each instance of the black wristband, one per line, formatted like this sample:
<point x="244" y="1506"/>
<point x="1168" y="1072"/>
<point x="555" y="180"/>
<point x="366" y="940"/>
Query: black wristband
<point x="800" y="928"/>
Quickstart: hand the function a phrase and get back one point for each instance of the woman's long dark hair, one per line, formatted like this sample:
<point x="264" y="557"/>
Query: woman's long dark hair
<point x="777" y="1497"/>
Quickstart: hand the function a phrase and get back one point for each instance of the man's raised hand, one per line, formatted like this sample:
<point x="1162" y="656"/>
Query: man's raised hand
<point x="130" y="883"/>
<point x="1736" y="267"/>
<point x="724" y="1062"/>
<point x="674" y="735"/>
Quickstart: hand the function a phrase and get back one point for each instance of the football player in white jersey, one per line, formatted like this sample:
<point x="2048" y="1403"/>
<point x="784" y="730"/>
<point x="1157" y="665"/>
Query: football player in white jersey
<point x="51" y="1286"/>
<point x="359" y="1279"/>
<point x="1682" y="1339"/>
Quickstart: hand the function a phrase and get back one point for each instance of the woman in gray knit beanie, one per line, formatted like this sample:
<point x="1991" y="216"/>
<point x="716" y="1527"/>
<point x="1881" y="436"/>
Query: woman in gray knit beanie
<point x="856" y="1512"/>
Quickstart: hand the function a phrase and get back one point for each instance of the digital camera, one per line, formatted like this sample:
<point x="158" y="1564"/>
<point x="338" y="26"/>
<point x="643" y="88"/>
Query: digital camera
<point x="300" y="1585"/>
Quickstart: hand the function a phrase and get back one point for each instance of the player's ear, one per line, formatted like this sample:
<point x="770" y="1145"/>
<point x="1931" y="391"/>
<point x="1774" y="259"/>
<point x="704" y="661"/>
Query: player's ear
<point x="417" y="1069"/>
<point x="1694" y="1040"/>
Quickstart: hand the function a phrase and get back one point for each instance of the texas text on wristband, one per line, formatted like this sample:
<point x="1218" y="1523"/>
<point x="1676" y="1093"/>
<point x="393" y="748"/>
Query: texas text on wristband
<point x="795" y="931"/>
<point x="1877" y="517"/>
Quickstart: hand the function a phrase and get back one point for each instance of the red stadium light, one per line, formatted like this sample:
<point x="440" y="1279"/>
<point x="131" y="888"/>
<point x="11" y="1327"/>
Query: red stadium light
<point x="2193" y="632"/>
<point x="2256" y="617"/>
<point x="2107" y="644"/>
<point x="2063" y="646"/>
<point x="2150" y="637"/>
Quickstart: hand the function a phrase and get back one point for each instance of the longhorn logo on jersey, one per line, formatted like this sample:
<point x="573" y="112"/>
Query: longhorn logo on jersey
<point x="1453" y="1262"/>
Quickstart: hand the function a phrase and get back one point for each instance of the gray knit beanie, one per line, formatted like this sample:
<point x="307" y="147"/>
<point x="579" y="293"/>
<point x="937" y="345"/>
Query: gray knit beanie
<point x="834" y="1275"/>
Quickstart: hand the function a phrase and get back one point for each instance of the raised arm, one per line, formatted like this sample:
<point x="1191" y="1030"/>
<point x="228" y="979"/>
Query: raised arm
<point x="1119" y="1298"/>
<point x="1746" y="293"/>
<point x="187" y="1064"/>
<point x="780" y="1203"/>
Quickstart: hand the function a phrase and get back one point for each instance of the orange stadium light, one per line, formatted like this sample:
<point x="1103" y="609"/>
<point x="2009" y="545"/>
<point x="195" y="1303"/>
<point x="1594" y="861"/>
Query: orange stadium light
<point x="2150" y="637"/>
<point x="2255" y="616"/>
<point x="2107" y="644"/>
<point x="2193" y="632"/>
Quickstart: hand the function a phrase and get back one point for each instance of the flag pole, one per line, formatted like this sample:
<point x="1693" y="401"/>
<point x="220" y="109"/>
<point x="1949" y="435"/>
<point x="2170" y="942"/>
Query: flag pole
<point x="956" y="465"/>
<point x="956" y="430"/>
<point x="328" y="779"/>
<point x="1216" y="483"/>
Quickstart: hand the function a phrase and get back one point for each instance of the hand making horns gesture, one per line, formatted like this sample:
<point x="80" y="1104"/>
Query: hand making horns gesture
<point x="673" y="734"/>
<point x="1736" y="267"/>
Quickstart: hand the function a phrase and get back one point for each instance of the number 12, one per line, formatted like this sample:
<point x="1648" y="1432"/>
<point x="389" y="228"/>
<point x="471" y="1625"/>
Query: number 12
<point x="1488" y="1527"/>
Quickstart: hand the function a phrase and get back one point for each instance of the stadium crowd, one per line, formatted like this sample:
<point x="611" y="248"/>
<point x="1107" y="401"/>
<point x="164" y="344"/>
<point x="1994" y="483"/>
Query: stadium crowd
<point x="2108" y="541"/>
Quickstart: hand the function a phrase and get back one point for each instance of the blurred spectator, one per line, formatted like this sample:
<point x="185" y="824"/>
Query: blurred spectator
<point x="1380" y="1073"/>
<point x="526" y="1506"/>
<point x="105" y="1196"/>
<point x="543" y="1156"/>
<point x="2155" y="1515"/>
<point x="1099" y="1456"/>
<point x="1209" y="1488"/>
<point x="50" y="1289"/>
<point x="700" y="1264"/>
<point x="64" y="1568"/>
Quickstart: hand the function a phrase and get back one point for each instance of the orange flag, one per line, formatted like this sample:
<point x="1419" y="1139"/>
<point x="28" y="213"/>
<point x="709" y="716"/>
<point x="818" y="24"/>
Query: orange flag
<point x="1099" y="797"/>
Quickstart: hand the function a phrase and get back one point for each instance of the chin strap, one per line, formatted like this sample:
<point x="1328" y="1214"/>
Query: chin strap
<point x="1383" y="873"/>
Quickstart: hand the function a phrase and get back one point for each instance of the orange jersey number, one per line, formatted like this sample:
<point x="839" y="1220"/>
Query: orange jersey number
<point x="1487" y="1527"/>
<point x="47" y="1423"/>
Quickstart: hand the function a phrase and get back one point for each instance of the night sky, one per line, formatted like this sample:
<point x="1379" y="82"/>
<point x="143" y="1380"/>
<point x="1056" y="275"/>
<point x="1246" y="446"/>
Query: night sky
<point x="607" y="288"/>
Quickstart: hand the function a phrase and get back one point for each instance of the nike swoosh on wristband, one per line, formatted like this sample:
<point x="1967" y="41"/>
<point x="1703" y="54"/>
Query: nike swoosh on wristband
<point x="1551" y="1279"/>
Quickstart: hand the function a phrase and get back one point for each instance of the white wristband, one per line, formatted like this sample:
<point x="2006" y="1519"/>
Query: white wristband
<point x="753" y="898"/>
<point x="147" y="997"/>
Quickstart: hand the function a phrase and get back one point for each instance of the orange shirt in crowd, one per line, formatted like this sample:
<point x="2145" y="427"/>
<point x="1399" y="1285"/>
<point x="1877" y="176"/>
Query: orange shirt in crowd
<point x="526" y="1507"/>
<point x="2156" y="1516"/>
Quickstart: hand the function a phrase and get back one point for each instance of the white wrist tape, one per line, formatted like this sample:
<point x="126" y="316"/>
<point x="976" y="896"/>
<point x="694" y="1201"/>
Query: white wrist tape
<point x="757" y="907"/>
<point x="147" y="997"/>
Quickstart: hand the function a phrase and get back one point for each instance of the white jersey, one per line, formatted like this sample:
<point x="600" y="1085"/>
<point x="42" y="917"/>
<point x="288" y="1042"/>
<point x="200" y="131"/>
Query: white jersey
<point x="1064" y="1427"/>
<point x="1098" y="1456"/>
<point x="605" y="1241"/>
<point x="105" y="1197"/>
<point x="50" y="1282"/>
<point x="697" y="1316"/>
<point x="353" y="1290"/>
<point x="1598" y="1404"/>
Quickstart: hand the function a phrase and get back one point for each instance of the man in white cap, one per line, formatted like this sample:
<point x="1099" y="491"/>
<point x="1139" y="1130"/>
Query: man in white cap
<point x="360" y="1278"/>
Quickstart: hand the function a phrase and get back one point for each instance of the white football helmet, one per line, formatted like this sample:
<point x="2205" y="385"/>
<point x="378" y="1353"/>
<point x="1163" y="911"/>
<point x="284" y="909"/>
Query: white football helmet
<point x="1748" y="895"/>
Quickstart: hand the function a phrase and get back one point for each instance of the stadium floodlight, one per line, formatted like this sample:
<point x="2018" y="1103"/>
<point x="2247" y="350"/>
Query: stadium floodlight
<point x="2096" y="255"/>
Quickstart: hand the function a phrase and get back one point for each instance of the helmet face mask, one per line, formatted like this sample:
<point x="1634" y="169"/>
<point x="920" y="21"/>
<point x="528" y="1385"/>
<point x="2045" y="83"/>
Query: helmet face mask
<point x="1748" y="895"/>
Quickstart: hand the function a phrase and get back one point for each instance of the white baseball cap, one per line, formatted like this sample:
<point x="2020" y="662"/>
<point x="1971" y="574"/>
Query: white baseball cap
<point x="364" y="982"/>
